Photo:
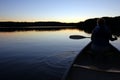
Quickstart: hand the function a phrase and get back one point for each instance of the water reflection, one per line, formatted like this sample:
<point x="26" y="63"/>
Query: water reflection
<point x="43" y="28"/>
<point x="38" y="55"/>
<point x="14" y="29"/>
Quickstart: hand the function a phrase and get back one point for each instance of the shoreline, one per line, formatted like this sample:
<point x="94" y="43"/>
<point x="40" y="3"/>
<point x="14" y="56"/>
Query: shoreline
<point x="37" y="28"/>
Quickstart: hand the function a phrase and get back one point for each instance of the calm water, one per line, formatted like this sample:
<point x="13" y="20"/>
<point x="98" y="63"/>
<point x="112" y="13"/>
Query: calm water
<point x="37" y="55"/>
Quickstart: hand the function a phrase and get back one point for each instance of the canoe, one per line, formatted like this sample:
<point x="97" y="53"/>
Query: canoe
<point x="86" y="67"/>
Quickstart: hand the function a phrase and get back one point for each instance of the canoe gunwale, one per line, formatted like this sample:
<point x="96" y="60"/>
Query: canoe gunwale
<point x="96" y="70"/>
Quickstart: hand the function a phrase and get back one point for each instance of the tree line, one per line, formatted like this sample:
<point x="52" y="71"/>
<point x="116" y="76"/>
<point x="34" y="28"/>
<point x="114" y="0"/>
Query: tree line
<point x="112" y="22"/>
<point x="87" y="25"/>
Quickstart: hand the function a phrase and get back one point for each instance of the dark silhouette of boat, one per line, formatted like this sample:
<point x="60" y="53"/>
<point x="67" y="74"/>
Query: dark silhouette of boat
<point x="84" y="67"/>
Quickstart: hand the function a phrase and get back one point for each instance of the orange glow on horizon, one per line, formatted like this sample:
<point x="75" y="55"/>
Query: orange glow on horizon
<point x="66" y="20"/>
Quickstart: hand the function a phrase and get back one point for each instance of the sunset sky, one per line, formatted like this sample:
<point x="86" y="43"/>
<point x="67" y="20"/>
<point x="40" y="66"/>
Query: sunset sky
<point x="57" y="10"/>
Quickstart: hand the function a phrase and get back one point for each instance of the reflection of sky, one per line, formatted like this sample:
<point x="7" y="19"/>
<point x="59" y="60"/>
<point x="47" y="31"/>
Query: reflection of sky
<point x="43" y="34"/>
<point x="39" y="42"/>
<point x="57" y="10"/>
<point x="116" y="43"/>
<point x="37" y="52"/>
<point x="29" y="54"/>
<point x="45" y="38"/>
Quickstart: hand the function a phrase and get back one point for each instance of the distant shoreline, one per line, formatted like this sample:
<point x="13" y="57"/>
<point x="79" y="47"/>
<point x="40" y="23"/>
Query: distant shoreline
<point x="34" y="24"/>
<point x="88" y="25"/>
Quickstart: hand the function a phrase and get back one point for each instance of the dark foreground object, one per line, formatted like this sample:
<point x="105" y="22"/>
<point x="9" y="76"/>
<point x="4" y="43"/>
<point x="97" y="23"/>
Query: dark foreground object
<point x="84" y="67"/>
<point x="77" y="37"/>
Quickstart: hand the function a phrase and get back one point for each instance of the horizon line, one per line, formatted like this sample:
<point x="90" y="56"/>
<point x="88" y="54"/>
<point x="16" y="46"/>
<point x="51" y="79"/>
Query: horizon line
<point x="77" y="21"/>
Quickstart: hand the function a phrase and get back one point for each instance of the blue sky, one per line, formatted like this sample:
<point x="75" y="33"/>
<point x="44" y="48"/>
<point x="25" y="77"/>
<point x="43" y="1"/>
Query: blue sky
<point x="57" y="10"/>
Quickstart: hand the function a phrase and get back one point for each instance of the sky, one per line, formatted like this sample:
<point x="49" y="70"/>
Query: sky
<point x="57" y="10"/>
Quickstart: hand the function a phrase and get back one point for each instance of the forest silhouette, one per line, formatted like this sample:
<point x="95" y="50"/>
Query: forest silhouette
<point x="87" y="25"/>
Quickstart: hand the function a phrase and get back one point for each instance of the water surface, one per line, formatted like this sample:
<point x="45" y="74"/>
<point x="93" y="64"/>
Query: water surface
<point x="37" y="55"/>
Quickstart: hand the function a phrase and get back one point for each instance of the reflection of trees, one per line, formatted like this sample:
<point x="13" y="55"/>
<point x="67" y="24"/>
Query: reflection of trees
<point x="31" y="29"/>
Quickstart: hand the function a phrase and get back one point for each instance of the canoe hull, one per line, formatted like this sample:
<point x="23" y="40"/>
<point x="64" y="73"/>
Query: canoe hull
<point x="88" y="74"/>
<point x="92" y="72"/>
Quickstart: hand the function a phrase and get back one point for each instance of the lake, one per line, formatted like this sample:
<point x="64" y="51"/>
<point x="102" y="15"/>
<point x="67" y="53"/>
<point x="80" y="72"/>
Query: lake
<point x="38" y="55"/>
